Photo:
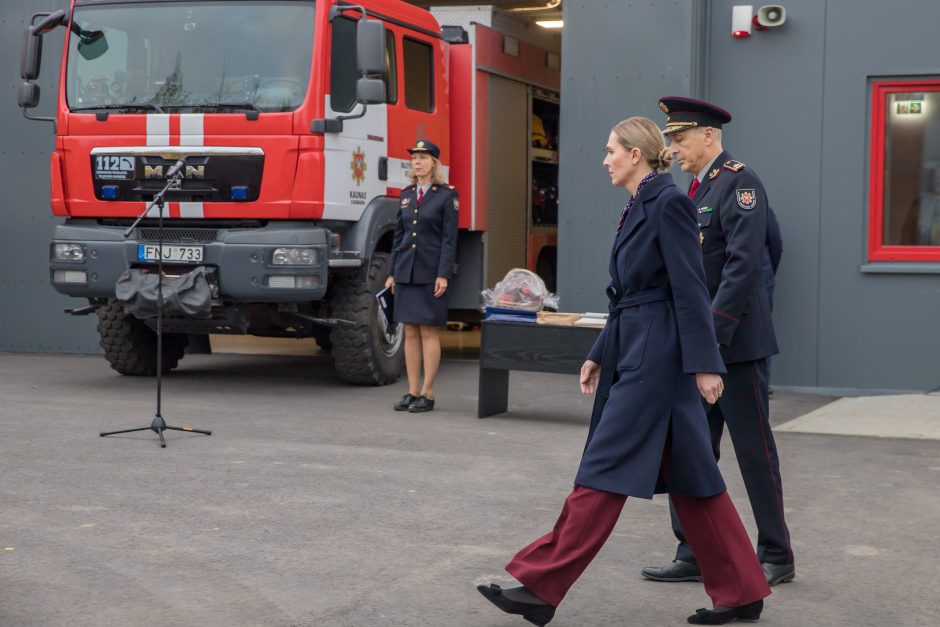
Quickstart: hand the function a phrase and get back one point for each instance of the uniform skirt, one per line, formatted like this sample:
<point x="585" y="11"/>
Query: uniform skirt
<point x="415" y="304"/>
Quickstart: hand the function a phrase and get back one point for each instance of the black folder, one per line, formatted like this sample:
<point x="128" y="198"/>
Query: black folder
<point x="386" y="302"/>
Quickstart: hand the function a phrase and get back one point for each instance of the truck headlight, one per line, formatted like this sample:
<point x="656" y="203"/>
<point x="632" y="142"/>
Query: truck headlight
<point x="68" y="252"/>
<point x="294" y="257"/>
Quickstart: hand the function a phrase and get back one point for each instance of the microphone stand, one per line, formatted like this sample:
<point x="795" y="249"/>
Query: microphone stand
<point x="158" y="424"/>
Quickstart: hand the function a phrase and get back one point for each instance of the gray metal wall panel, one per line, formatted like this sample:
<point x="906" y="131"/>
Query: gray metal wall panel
<point x="875" y="331"/>
<point x="618" y="58"/>
<point x="772" y="84"/>
<point x="31" y="317"/>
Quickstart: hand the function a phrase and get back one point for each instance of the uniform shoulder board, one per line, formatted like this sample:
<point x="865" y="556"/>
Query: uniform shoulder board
<point x="412" y="186"/>
<point x="734" y="166"/>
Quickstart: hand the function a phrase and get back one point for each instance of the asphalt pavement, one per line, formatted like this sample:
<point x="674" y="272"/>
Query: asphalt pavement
<point x="314" y="504"/>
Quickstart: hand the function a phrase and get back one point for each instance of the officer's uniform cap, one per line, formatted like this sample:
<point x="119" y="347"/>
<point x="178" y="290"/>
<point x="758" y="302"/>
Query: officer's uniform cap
<point x="423" y="145"/>
<point x="685" y="113"/>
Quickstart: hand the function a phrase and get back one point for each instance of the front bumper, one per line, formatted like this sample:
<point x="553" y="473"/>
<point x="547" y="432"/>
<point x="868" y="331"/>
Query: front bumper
<point x="241" y="258"/>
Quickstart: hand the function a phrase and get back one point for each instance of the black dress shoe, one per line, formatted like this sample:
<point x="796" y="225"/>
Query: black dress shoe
<point x="749" y="612"/>
<point x="405" y="402"/>
<point x="420" y="404"/>
<point x="536" y="613"/>
<point x="677" y="571"/>
<point x="778" y="573"/>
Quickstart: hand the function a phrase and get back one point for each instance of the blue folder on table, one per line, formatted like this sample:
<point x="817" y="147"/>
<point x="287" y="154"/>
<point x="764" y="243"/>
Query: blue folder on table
<point x="505" y="314"/>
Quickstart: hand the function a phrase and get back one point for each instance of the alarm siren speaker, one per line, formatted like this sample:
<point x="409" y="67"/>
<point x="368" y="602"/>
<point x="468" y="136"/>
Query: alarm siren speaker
<point x="771" y="15"/>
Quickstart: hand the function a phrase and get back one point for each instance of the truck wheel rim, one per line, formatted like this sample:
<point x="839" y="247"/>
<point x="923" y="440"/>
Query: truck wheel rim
<point x="389" y="339"/>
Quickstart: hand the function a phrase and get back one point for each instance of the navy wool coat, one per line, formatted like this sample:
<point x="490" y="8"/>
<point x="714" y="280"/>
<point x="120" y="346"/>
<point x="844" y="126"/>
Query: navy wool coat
<point x="425" y="244"/>
<point x="659" y="334"/>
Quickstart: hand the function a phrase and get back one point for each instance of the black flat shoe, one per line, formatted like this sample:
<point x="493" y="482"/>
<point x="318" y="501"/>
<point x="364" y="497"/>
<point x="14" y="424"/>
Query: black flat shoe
<point x="778" y="573"/>
<point x="536" y="613"/>
<point x="405" y="402"/>
<point x="420" y="404"/>
<point x="750" y="612"/>
<point x="676" y="571"/>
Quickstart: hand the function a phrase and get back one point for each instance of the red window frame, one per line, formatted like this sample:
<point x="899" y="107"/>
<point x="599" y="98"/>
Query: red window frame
<point x="877" y="250"/>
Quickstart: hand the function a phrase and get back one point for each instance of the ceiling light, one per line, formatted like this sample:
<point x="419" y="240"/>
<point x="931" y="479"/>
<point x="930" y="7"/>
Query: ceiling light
<point x="550" y="23"/>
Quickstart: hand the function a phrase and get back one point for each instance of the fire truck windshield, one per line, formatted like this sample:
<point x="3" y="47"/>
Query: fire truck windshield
<point x="178" y="56"/>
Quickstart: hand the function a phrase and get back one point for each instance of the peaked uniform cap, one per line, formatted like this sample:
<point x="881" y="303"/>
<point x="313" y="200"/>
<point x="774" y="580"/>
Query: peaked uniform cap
<point x="423" y="145"/>
<point x="685" y="113"/>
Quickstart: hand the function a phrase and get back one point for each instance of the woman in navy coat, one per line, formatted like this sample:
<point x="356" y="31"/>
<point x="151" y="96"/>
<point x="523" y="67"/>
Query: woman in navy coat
<point x="424" y="252"/>
<point x="652" y="364"/>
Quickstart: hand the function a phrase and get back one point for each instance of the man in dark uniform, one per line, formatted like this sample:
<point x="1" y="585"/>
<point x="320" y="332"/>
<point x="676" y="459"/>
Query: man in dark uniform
<point x="732" y="211"/>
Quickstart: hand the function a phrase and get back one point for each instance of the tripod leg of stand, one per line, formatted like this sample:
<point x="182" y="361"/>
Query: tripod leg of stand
<point x="162" y="441"/>
<point x="106" y="433"/>
<point x="190" y="430"/>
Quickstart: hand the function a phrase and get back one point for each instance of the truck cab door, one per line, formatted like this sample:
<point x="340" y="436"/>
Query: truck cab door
<point x="356" y="156"/>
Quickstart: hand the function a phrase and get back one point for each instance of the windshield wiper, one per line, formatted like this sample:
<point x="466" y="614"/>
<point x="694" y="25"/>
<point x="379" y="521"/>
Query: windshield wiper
<point x="252" y="110"/>
<point x="137" y="106"/>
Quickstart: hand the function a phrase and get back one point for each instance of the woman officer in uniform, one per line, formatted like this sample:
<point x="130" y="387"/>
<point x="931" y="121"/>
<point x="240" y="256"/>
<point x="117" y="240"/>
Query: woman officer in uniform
<point x="653" y="362"/>
<point x="423" y="256"/>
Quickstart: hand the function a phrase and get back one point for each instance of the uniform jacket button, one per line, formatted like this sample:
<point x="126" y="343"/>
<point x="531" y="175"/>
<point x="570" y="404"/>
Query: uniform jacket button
<point x="413" y="245"/>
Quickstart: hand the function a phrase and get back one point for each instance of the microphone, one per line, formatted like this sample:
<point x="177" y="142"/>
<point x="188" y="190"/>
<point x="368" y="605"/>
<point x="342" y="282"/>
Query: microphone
<point x="176" y="167"/>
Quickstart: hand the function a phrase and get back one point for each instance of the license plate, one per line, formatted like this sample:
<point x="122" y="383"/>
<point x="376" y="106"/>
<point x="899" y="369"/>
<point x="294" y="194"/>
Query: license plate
<point x="184" y="254"/>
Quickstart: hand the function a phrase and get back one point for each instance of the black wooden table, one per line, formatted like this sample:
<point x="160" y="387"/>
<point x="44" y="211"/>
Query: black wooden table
<point x="506" y="346"/>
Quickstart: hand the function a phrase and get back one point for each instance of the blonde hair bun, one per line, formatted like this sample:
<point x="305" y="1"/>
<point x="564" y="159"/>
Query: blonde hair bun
<point x="664" y="160"/>
<point x="642" y="133"/>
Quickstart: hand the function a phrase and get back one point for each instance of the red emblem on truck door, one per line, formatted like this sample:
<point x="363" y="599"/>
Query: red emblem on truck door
<point x="358" y="166"/>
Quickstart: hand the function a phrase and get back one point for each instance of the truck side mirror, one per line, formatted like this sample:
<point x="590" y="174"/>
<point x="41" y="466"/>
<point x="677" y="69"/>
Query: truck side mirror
<point x="31" y="53"/>
<point x="30" y="56"/>
<point x="370" y="48"/>
<point x="28" y="95"/>
<point x="370" y="61"/>
<point x="370" y="91"/>
<point x="92" y="44"/>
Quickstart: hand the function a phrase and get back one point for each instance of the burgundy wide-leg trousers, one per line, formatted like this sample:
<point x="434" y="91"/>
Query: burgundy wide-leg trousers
<point x="730" y="570"/>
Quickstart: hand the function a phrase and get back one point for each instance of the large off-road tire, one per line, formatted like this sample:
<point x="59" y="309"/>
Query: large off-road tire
<point x="368" y="353"/>
<point x="131" y="347"/>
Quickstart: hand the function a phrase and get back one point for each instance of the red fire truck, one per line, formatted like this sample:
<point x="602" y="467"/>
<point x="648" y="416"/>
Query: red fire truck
<point x="292" y="119"/>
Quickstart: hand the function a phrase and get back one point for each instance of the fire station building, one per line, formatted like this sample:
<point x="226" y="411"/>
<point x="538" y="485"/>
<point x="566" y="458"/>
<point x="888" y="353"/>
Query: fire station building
<point x="837" y="109"/>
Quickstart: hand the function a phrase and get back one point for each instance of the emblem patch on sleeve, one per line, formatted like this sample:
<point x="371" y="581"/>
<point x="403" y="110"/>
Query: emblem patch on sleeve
<point x="456" y="204"/>
<point x="747" y="198"/>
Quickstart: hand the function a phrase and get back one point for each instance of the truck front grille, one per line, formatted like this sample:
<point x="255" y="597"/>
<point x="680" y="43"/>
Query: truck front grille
<point x="175" y="234"/>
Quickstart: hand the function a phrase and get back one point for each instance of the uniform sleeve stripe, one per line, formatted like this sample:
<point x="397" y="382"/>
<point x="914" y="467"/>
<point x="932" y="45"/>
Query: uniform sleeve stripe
<point x="724" y="315"/>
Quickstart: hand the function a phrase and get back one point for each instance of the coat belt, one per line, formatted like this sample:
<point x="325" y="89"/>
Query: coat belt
<point x="612" y="341"/>
<point x="627" y="301"/>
